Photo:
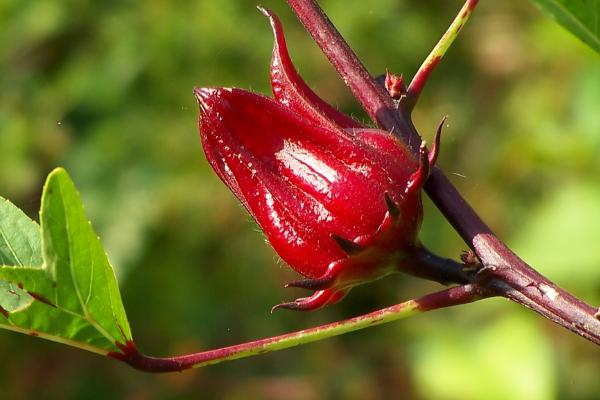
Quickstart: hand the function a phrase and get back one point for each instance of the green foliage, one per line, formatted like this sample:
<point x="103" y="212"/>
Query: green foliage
<point x="19" y="237"/>
<point x="20" y="246"/>
<point x="105" y="89"/>
<point x="573" y="211"/>
<point x="580" y="17"/>
<point x="485" y="355"/>
<point x="72" y="297"/>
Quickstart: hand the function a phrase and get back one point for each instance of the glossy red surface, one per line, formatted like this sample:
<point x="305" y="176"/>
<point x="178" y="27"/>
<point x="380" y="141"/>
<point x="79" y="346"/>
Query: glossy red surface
<point x="310" y="175"/>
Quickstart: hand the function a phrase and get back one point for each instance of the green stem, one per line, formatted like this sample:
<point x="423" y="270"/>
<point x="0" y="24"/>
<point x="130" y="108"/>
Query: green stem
<point x="420" y="79"/>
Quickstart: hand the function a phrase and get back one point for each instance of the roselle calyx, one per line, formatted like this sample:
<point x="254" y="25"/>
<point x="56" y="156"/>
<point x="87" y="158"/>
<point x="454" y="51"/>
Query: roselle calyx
<point x="339" y="202"/>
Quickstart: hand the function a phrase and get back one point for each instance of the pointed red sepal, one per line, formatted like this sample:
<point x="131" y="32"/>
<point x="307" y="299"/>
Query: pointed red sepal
<point x="426" y="161"/>
<point x="319" y="299"/>
<point x="290" y="89"/>
<point x="393" y="209"/>
<point x="312" y="284"/>
<point x="419" y="177"/>
<point x="351" y="248"/>
<point x="435" y="148"/>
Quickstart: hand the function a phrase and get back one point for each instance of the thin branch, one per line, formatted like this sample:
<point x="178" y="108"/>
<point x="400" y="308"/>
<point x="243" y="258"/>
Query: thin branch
<point x="426" y="265"/>
<point x="504" y="272"/>
<point x="447" y="298"/>
<point x="375" y="100"/>
<point x="420" y="79"/>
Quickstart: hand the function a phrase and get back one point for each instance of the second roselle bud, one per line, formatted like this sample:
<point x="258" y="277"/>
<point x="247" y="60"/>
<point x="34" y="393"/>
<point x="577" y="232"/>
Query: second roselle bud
<point x="395" y="86"/>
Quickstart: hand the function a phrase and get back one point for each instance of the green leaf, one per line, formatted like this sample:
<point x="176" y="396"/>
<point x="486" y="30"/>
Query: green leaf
<point x="19" y="246"/>
<point x="19" y="237"/>
<point x="73" y="297"/>
<point x="580" y="17"/>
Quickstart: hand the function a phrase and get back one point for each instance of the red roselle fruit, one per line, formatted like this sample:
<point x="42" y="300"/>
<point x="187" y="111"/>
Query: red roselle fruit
<point x="339" y="202"/>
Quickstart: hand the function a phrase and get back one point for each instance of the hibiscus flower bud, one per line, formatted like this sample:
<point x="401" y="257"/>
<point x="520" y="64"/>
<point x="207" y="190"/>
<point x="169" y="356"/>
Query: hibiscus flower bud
<point x="339" y="203"/>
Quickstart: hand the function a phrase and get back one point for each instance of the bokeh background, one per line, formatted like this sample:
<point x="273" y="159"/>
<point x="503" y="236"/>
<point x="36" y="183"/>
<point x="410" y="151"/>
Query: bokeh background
<point x="104" y="88"/>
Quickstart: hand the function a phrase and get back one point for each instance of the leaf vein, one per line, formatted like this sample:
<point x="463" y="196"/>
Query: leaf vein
<point x="86" y="315"/>
<point x="584" y="29"/>
<point x="10" y="248"/>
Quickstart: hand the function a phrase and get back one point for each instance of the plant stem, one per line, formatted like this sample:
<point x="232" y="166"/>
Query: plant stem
<point x="369" y="93"/>
<point x="445" y="298"/>
<point x="503" y="272"/>
<point x="420" y="79"/>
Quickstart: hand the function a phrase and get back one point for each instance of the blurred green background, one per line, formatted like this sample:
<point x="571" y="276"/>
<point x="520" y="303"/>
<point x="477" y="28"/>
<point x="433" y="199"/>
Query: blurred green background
<point x="104" y="88"/>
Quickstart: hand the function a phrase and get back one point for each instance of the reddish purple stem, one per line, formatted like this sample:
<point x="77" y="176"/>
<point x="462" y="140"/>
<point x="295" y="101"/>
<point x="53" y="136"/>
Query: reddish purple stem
<point x="129" y="353"/>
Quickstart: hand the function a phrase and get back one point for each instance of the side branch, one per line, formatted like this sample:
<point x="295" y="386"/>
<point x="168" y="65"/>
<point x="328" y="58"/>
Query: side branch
<point x="445" y="298"/>
<point x="420" y="79"/>
<point x="503" y="272"/>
